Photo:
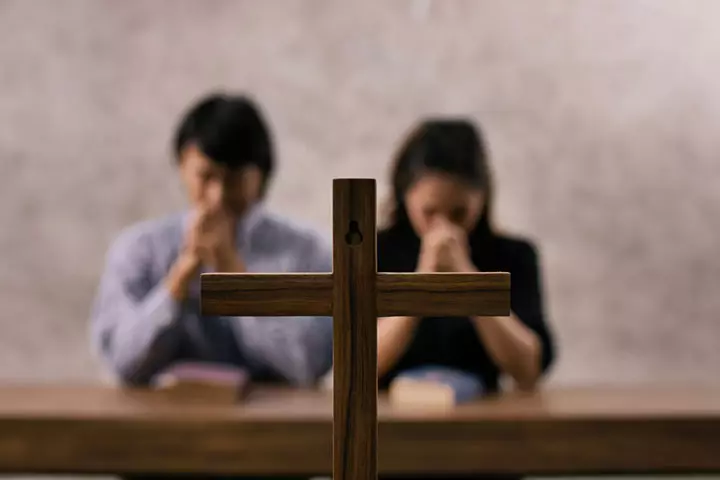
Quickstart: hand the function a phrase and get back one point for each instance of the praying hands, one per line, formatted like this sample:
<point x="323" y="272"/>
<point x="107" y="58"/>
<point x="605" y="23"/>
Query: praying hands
<point x="445" y="249"/>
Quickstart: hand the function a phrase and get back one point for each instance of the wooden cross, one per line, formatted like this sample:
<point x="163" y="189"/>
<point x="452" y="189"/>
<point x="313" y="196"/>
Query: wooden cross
<point x="355" y="295"/>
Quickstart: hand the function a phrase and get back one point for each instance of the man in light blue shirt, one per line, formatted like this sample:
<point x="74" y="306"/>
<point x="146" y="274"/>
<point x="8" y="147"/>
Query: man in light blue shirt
<point x="146" y="314"/>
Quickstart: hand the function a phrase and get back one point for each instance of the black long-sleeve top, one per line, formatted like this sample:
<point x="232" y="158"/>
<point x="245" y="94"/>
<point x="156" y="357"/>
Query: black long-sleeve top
<point x="452" y="341"/>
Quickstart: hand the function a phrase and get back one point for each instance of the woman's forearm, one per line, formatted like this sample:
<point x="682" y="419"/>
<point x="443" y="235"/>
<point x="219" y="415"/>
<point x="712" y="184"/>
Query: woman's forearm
<point x="514" y="348"/>
<point x="393" y="338"/>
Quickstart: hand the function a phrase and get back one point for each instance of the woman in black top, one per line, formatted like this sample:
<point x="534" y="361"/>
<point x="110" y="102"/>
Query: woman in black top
<point x="441" y="222"/>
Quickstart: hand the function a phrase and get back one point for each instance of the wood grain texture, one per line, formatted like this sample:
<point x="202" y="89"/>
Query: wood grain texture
<point x="266" y="294"/>
<point x="572" y="431"/>
<point x="354" y="330"/>
<point x="443" y="294"/>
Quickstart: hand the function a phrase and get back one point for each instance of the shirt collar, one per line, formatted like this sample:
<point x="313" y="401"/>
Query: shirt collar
<point x="247" y="224"/>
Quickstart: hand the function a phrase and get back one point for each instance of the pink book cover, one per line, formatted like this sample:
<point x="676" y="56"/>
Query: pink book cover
<point x="199" y="375"/>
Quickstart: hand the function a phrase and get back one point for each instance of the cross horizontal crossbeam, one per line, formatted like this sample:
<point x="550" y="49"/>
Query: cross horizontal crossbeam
<point x="304" y="294"/>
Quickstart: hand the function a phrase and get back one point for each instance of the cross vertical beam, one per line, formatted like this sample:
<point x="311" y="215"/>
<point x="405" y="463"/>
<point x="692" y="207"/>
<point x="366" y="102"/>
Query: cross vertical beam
<point x="354" y="330"/>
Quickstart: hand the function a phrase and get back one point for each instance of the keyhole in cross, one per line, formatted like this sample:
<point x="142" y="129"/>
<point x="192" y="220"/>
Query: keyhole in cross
<point x="353" y="236"/>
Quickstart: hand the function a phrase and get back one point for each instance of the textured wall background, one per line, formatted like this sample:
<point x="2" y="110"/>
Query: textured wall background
<point x="602" y="117"/>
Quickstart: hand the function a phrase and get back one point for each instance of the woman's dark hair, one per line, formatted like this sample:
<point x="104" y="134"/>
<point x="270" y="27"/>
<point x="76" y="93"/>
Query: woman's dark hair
<point x="230" y="130"/>
<point x="453" y="147"/>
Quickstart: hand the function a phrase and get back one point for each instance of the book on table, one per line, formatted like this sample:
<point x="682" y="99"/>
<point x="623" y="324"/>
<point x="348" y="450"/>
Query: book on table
<point x="202" y="380"/>
<point x="434" y="386"/>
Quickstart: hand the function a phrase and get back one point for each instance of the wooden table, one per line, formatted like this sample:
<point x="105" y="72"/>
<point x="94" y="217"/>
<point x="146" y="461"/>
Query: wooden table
<point x="572" y="431"/>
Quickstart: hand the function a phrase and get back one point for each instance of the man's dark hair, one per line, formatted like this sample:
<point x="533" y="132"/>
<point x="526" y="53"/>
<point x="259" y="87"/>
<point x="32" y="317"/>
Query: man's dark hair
<point x="230" y="130"/>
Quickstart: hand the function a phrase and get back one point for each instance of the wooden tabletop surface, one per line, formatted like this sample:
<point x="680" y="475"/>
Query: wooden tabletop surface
<point x="90" y="429"/>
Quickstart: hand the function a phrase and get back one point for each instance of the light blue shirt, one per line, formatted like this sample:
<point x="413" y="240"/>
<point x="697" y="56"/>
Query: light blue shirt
<point x="140" y="330"/>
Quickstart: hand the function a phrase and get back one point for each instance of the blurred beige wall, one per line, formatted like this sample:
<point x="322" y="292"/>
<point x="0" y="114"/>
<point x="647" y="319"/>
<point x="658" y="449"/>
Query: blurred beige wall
<point x="603" y="118"/>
